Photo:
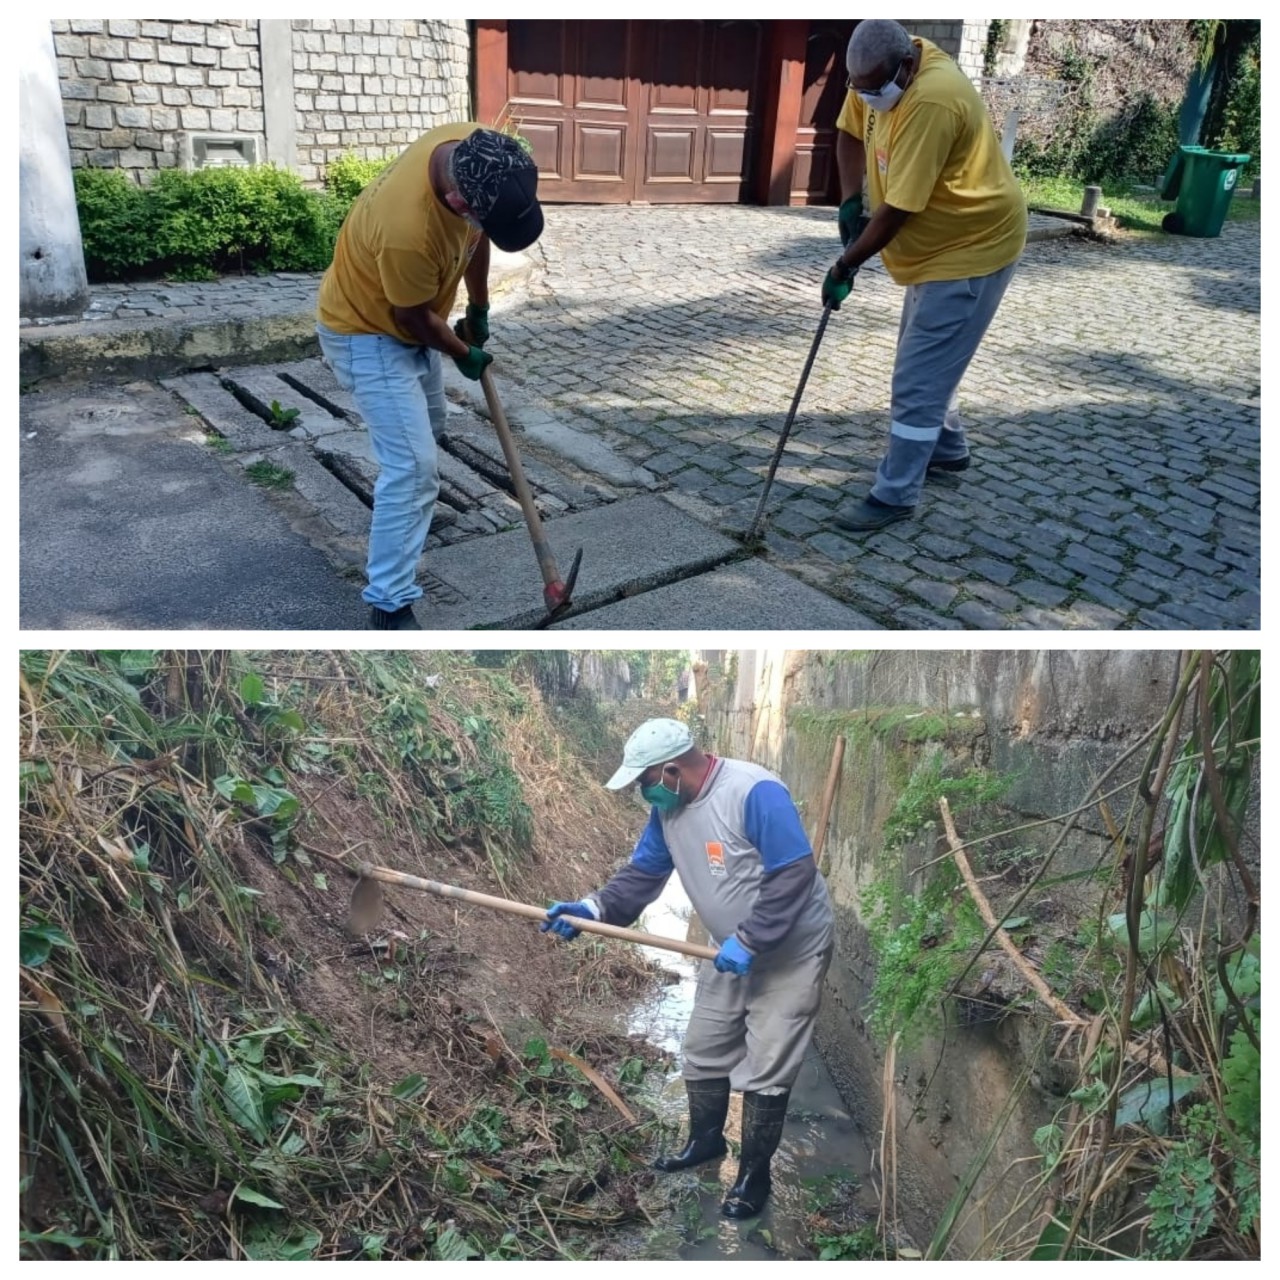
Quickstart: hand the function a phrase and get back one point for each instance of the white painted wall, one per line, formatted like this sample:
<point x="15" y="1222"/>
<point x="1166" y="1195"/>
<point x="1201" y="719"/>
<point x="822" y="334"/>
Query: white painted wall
<point x="52" y="280"/>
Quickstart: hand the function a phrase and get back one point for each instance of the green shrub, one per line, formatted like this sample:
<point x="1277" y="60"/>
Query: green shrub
<point x="195" y="225"/>
<point x="114" y="223"/>
<point x="347" y="176"/>
<point x="1137" y="144"/>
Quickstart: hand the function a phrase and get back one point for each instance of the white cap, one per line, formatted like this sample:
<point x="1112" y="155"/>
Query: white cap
<point x="654" y="742"/>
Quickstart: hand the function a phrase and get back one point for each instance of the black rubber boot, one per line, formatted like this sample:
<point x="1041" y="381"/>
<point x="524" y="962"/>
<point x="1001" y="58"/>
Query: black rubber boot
<point x="708" y="1106"/>
<point x="762" y="1118"/>
<point x="400" y="620"/>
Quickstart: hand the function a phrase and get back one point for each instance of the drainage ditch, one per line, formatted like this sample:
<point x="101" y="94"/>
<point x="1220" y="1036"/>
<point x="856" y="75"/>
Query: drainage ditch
<point x="821" y="1179"/>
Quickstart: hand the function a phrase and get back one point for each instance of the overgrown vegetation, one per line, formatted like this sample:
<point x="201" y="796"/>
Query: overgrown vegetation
<point x="1122" y="96"/>
<point x="210" y="1065"/>
<point x="1154" y="1151"/>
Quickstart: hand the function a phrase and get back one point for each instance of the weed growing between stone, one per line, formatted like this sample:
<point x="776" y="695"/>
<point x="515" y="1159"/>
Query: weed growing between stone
<point x="212" y="1065"/>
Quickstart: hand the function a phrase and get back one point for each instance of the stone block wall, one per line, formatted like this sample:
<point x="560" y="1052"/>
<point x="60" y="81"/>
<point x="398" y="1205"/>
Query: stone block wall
<point x="369" y="86"/>
<point x="132" y="88"/>
<point x="965" y="39"/>
<point x="135" y="91"/>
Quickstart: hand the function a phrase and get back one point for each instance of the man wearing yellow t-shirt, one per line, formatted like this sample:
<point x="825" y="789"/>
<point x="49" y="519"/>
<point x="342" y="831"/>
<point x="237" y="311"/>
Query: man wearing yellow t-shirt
<point x="419" y="229"/>
<point x="949" y="222"/>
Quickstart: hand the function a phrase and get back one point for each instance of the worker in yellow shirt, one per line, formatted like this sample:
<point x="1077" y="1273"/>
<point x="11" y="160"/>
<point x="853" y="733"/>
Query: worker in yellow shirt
<point x="949" y="222"/>
<point x="413" y="234"/>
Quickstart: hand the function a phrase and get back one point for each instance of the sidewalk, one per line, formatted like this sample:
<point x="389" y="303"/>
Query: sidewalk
<point x="1113" y="408"/>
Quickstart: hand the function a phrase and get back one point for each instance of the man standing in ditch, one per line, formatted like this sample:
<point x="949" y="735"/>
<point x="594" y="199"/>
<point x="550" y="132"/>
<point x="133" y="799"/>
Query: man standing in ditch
<point x="949" y="222"/>
<point x="422" y="226"/>
<point x="731" y="831"/>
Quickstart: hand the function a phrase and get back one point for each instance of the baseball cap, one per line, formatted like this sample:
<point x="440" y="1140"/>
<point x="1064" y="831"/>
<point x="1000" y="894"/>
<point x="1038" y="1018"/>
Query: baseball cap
<point x="497" y="177"/>
<point x="654" y="742"/>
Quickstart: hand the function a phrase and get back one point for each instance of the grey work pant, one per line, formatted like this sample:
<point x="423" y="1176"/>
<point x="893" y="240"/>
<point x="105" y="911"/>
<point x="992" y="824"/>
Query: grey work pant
<point x="754" y="1028"/>
<point x="942" y="325"/>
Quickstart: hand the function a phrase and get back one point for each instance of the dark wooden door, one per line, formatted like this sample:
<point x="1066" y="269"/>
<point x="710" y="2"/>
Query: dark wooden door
<point x="698" y="92"/>
<point x="570" y="92"/>
<point x="814" y="177"/>
<point x="636" y="111"/>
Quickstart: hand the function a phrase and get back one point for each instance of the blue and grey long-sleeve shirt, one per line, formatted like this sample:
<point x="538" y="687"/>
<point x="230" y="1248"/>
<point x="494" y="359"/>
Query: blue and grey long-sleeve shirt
<point x="744" y="860"/>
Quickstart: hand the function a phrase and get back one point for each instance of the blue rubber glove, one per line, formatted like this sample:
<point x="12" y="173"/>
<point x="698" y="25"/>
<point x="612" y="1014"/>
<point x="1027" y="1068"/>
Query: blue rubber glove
<point x="733" y="957"/>
<point x="561" y="927"/>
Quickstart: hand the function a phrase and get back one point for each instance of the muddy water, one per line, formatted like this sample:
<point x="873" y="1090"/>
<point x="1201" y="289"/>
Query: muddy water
<point x="821" y="1147"/>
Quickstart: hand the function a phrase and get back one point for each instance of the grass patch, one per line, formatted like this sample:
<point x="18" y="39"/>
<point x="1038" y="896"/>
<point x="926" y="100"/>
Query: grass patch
<point x="269" y="476"/>
<point x="1134" y="210"/>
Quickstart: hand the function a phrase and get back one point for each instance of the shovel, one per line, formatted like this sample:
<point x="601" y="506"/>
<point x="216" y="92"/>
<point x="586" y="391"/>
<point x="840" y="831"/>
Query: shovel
<point x="366" y="907"/>
<point x="556" y="592"/>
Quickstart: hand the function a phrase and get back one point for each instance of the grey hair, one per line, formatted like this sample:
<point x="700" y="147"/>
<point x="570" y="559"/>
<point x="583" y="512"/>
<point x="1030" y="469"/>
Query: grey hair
<point x="876" y="44"/>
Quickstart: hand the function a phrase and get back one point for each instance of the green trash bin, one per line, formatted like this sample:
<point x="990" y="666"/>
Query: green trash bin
<point x="1203" y="183"/>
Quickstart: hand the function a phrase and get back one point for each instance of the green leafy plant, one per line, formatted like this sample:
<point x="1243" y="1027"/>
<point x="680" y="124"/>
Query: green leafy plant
<point x="282" y="417"/>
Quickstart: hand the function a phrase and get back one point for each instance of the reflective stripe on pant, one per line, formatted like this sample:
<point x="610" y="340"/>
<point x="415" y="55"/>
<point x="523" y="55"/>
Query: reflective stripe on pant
<point x="754" y="1029"/>
<point x="943" y="323"/>
<point x="399" y="391"/>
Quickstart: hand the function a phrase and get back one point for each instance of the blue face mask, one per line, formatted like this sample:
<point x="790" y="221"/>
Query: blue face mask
<point x="661" y="797"/>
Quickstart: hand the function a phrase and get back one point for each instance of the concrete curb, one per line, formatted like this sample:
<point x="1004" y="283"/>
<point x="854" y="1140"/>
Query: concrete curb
<point x="162" y="347"/>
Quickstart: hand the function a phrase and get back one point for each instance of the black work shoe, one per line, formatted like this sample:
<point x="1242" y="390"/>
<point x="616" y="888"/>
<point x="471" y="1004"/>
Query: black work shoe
<point x="870" y="514"/>
<point x="708" y="1106"/>
<point x="949" y="464"/>
<point x="401" y="620"/>
<point x="763" y="1115"/>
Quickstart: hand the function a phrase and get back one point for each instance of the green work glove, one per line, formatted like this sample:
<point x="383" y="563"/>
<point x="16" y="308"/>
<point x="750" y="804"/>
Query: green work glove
<point x="475" y="328"/>
<point x="474" y="363"/>
<point x="837" y="284"/>
<point x="851" y="220"/>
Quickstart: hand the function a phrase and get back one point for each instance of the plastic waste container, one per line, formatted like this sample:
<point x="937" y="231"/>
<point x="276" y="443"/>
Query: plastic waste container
<point x="1203" y="183"/>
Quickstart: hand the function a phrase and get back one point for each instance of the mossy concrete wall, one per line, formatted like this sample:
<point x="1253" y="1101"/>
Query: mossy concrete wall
<point x="1054" y="721"/>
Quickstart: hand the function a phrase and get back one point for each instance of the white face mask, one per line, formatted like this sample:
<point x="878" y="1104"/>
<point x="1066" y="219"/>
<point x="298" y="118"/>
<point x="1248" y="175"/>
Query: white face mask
<point x="886" y="97"/>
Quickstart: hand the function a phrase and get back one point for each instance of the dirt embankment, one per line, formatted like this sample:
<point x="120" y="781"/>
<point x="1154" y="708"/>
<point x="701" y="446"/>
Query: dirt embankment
<point x="215" y="1063"/>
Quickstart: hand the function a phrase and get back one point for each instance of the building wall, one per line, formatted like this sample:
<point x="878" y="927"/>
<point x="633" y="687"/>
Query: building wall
<point x="135" y="91"/>
<point x="368" y="87"/>
<point x="965" y="39"/>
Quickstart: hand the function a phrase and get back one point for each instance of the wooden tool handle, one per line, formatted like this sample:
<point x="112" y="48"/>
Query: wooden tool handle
<point x="372" y="872"/>
<point x="541" y="548"/>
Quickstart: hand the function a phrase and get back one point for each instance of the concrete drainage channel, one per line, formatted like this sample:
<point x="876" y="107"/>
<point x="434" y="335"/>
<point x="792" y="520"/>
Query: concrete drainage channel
<point x="646" y="565"/>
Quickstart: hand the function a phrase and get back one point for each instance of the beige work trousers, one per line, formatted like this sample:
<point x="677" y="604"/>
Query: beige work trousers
<point x="754" y="1028"/>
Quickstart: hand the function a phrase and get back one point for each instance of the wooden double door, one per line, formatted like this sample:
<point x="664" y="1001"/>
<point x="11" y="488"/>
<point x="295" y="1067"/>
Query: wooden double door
<point x="649" y="111"/>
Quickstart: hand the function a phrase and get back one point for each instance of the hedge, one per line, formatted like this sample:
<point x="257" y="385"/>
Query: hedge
<point x="195" y="226"/>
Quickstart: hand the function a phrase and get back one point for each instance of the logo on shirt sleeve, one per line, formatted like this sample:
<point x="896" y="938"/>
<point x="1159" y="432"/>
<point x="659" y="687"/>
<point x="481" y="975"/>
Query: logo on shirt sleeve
<point x="715" y="858"/>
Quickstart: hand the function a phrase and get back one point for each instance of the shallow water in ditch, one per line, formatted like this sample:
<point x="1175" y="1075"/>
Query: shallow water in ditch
<point x="821" y="1146"/>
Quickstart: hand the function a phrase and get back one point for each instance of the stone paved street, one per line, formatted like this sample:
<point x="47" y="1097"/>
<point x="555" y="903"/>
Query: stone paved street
<point x="1113" y="408"/>
<point x="1113" y="411"/>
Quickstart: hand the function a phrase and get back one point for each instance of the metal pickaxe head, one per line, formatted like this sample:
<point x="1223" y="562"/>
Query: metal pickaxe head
<point x="558" y="595"/>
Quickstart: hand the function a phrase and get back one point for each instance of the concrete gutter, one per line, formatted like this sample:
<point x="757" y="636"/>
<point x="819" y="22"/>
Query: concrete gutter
<point x="164" y="346"/>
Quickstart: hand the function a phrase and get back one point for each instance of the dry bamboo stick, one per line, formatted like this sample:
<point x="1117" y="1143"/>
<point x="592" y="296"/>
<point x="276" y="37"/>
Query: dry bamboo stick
<point x="828" y="797"/>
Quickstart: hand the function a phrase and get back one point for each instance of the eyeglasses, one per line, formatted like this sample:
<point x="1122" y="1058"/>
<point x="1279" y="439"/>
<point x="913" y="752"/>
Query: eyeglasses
<point x="853" y="88"/>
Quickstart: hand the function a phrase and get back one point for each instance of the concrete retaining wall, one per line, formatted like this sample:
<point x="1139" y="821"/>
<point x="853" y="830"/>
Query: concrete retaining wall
<point x="1055" y="720"/>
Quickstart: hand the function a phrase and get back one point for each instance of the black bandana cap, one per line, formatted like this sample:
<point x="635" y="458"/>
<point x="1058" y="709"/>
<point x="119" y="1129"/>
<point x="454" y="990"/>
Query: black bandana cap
<point x="498" y="179"/>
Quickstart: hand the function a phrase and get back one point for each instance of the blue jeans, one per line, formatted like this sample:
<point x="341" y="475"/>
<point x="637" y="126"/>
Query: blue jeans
<point x="399" y="391"/>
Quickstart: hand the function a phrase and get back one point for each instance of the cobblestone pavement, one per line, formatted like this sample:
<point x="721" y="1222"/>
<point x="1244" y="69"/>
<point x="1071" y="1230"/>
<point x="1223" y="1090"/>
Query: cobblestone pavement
<point x="1113" y="408"/>
<point x="1113" y="411"/>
